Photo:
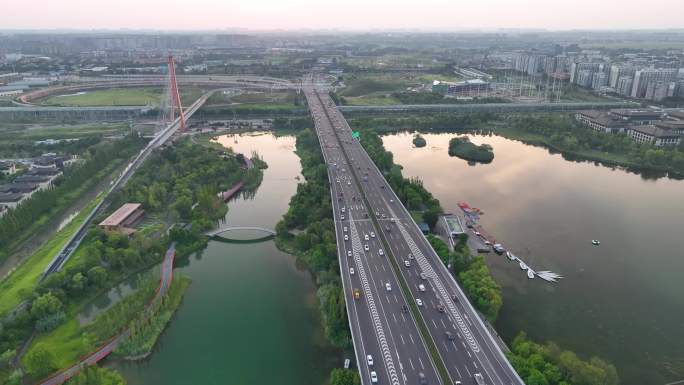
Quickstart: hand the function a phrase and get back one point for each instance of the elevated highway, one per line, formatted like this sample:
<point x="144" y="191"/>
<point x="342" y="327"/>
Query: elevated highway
<point x="377" y="237"/>
<point x="162" y="137"/>
<point x="488" y="107"/>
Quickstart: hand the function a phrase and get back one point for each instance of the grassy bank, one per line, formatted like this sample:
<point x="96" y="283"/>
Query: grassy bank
<point x="146" y="331"/>
<point x="63" y="346"/>
<point x="23" y="281"/>
<point x="33" y="214"/>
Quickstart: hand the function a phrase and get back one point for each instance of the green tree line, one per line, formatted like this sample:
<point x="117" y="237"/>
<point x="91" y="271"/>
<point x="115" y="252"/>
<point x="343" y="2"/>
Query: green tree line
<point x="411" y="191"/>
<point x="48" y="202"/>
<point x="310" y="213"/>
<point x="548" y="364"/>
<point x="564" y="134"/>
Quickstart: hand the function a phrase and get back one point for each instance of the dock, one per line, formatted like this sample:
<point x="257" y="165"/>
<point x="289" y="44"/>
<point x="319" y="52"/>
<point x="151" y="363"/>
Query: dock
<point x="480" y="235"/>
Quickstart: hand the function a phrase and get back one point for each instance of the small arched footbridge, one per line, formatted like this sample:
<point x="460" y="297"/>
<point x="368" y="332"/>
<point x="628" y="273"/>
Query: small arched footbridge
<point x="219" y="232"/>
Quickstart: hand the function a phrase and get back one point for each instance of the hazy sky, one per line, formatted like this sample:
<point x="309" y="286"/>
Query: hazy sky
<point x="344" y="14"/>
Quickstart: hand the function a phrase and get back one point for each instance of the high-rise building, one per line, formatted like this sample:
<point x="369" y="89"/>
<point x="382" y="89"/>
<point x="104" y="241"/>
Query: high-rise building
<point x="584" y="78"/>
<point x="577" y="67"/>
<point x="643" y="77"/>
<point x="624" y="85"/>
<point x="618" y="70"/>
<point x="598" y="80"/>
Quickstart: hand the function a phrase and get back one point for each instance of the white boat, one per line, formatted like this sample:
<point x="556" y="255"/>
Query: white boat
<point x="511" y="256"/>
<point x="595" y="242"/>
<point x="530" y="273"/>
<point x="523" y="266"/>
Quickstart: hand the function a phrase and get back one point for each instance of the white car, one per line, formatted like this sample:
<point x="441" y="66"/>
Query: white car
<point x="372" y="234"/>
<point x="351" y="271"/>
<point x="365" y="247"/>
<point x="374" y="377"/>
<point x="381" y="252"/>
<point x="421" y="287"/>
<point x="407" y="263"/>
<point x="346" y="237"/>
<point x="366" y="237"/>
<point x="342" y="216"/>
<point x="349" y="182"/>
<point x="477" y="233"/>
<point x="349" y="253"/>
<point x="345" y="229"/>
<point x="388" y="287"/>
<point x="419" y="302"/>
<point x="369" y="358"/>
<point x="343" y="209"/>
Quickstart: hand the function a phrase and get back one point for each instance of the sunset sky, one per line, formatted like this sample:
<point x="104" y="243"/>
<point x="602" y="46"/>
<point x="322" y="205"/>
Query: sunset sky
<point x="347" y="14"/>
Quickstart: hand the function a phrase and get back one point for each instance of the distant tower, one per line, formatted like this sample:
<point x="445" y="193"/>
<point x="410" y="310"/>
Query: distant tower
<point x="174" y="94"/>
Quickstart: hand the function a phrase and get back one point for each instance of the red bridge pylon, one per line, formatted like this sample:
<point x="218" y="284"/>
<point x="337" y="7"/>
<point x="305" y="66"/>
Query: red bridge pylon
<point x="175" y="94"/>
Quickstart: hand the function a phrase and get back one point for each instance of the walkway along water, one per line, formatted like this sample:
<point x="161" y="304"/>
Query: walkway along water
<point x="111" y="345"/>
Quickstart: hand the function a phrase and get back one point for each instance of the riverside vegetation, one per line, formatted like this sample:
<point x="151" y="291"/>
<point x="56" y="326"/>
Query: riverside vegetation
<point x="556" y="131"/>
<point x="307" y="231"/>
<point x="176" y="185"/>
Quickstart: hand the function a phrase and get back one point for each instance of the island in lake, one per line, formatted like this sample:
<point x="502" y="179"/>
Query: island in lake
<point x="463" y="148"/>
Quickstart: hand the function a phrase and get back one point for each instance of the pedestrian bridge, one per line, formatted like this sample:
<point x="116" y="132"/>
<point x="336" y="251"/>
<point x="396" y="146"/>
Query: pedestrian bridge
<point x="221" y="230"/>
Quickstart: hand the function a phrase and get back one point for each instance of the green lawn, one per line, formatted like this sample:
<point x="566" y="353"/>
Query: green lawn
<point x="66" y="343"/>
<point x="62" y="131"/>
<point x="371" y="100"/>
<point x="364" y="85"/>
<point x="282" y="97"/>
<point x="21" y="283"/>
<point x="110" y="97"/>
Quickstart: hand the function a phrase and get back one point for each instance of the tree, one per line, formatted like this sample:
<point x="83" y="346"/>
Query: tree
<point x="97" y="276"/>
<point x="340" y="376"/>
<point x="46" y="305"/>
<point x="78" y="282"/>
<point x="431" y="216"/>
<point x="7" y="357"/>
<point x="40" y="362"/>
<point x="183" y="207"/>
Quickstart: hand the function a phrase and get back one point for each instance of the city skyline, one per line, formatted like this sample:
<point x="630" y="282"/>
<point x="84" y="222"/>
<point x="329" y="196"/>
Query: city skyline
<point x="429" y="15"/>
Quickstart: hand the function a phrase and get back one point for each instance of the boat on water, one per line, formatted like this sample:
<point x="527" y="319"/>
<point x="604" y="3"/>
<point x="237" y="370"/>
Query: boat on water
<point x="595" y="242"/>
<point x="523" y="266"/>
<point x="511" y="256"/>
<point x="530" y="273"/>
<point x="498" y="248"/>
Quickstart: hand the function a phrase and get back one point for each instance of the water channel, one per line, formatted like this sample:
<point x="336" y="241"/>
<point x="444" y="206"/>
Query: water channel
<point x="623" y="300"/>
<point x="250" y="315"/>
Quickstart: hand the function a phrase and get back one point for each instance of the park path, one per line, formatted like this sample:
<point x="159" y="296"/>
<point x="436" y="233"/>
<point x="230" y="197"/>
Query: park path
<point x="106" y="349"/>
